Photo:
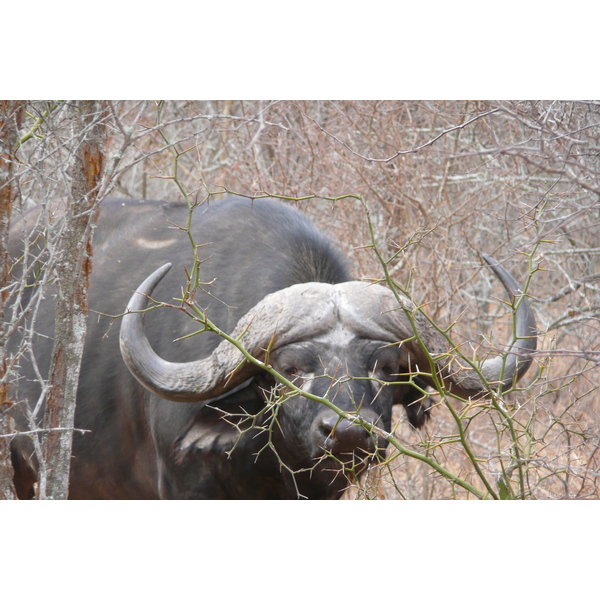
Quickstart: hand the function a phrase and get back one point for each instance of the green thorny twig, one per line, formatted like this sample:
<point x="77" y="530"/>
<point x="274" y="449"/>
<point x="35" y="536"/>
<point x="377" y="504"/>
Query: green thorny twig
<point x="194" y="282"/>
<point x="505" y="490"/>
<point x="193" y="278"/>
<point x="39" y="121"/>
<point x="201" y="317"/>
<point x="410" y="313"/>
<point x="198" y="315"/>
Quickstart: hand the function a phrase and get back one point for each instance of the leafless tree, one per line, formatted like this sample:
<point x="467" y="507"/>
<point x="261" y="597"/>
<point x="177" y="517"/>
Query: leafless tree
<point x="11" y="117"/>
<point x="441" y="181"/>
<point x="73" y="268"/>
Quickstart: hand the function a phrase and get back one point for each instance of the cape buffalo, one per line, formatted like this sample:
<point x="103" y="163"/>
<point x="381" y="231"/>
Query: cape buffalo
<point x="192" y="418"/>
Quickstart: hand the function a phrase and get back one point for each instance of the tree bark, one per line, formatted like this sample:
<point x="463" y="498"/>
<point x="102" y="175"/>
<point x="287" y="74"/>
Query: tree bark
<point x="11" y="119"/>
<point x="73" y="268"/>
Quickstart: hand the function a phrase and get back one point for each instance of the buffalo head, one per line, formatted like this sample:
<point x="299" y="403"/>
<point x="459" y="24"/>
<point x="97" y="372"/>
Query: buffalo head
<point x="357" y="345"/>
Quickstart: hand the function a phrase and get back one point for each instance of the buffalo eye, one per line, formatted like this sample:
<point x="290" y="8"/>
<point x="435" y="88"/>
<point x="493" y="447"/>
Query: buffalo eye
<point x="386" y="372"/>
<point x="290" y="372"/>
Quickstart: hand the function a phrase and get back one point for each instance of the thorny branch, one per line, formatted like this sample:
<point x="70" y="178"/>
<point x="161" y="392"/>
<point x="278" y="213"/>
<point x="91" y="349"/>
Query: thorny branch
<point x="499" y="177"/>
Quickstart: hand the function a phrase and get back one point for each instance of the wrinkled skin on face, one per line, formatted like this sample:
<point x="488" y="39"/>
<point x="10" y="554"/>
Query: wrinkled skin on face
<point x="350" y="375"/>
<point x="340" y="373"/>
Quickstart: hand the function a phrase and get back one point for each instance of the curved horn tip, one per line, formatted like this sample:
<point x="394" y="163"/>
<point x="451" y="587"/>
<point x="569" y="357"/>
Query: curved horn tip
<point x="515" y="360"/>
<point x="526" y="327"/>
<point x="147" y="287"/>
<point x="161" y="271"/>
<point x="508" y="281"/>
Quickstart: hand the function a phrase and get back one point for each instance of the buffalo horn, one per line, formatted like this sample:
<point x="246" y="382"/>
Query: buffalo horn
<point x="517" y="357"/>
<point x="286" y="314"/>
<point x="305" y="311"/>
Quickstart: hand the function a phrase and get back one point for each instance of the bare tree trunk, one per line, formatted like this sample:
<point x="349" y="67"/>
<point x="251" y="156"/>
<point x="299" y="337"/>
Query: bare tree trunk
<point x="73" y="267"/>
<point x="11" y="118"/>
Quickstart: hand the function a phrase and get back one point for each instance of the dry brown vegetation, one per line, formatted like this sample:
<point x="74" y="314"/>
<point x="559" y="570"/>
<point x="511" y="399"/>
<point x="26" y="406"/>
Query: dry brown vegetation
<point x="442" y="181"/>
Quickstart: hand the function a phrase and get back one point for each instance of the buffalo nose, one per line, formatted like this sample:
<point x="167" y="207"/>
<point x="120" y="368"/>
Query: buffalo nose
<point x="339" y="436"/>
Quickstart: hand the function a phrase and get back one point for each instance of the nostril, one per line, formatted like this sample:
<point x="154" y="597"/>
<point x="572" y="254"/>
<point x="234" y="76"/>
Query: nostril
<point x="325" y="429"/>
<point x="338" y="436"/>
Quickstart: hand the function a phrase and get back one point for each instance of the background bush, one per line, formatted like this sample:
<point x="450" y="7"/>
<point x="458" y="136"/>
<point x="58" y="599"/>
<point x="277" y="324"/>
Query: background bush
<point x="442" y="182"/>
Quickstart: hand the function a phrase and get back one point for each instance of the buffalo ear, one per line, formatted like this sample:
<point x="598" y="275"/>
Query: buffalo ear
<point x="417" y="405"/>
<point x="211" y="433"/>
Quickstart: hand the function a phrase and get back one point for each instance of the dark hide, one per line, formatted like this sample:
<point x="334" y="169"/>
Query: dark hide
<point x="141" y="446"/>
